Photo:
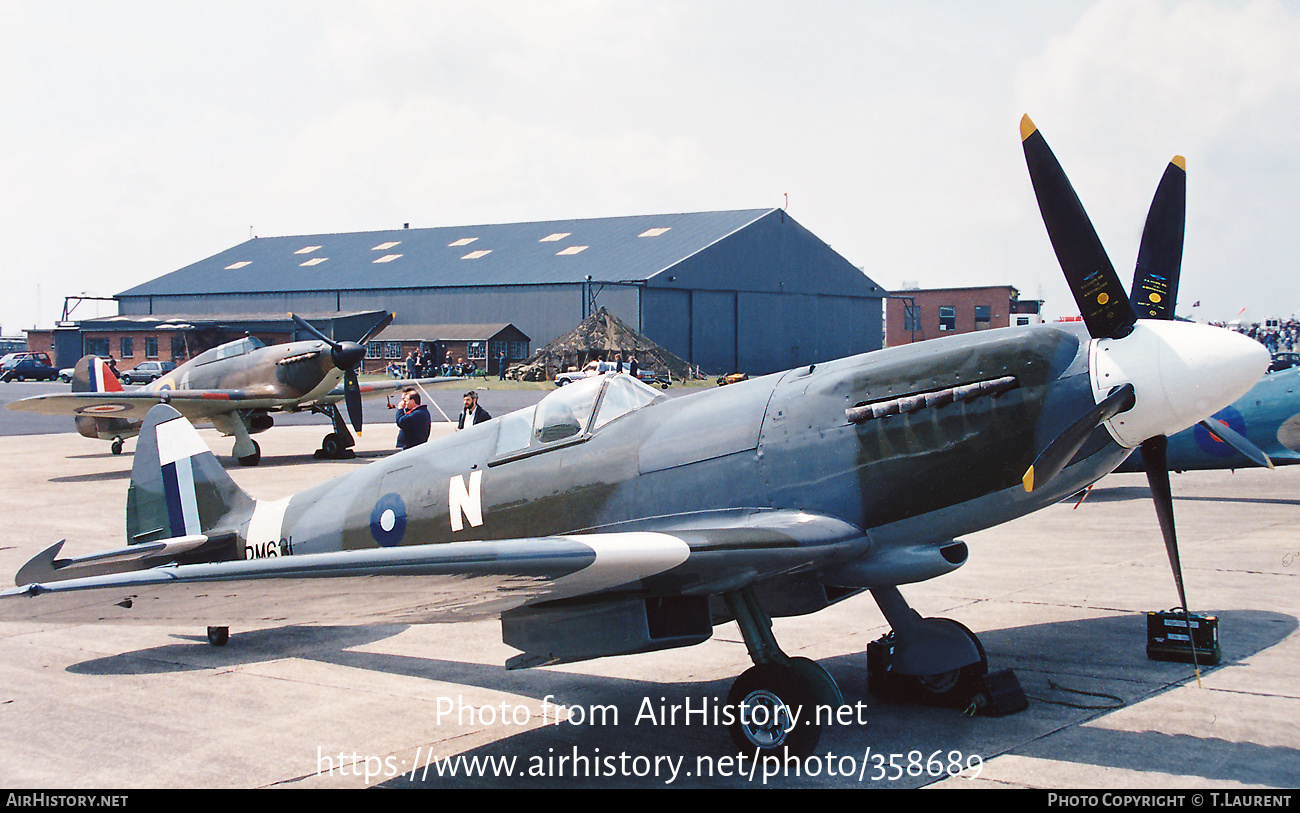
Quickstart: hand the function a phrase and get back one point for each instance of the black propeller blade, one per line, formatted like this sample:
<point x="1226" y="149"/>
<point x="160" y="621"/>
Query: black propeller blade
<point x="1160" y="256"/>
<point x="1159" y="264"/>
<point x="1230" y="436"/>
<point x="346" y="356"/>
<point x="1058" y="453"/>
<point x="1092" y="279"/>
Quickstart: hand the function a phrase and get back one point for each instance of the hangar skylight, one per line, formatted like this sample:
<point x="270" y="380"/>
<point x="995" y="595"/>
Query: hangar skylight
<point x="240" y="264"/>
<point x="306" y="250"/>
<point x="313" y="260"/>
<point x="385" y="246"/>
<point x="571" y="250"/>
<point x="464" y="241"/>
<point x="654" y="232"/>
<point x="474" y="255"/>
<point x="551" y="238"/>
<point x="388" y="258"/>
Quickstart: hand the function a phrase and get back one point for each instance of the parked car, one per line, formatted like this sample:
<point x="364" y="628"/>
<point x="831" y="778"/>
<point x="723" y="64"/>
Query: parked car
<point x="147" y="371"/>
<point x="1284" y="361"/>
<point x="592" y="368"/>
<point x="28" y="365"/>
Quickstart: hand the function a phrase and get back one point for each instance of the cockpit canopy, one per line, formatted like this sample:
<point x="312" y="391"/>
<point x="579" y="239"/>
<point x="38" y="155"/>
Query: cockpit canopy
<point x="238" y="347"/>
<point x="573" y="411"/>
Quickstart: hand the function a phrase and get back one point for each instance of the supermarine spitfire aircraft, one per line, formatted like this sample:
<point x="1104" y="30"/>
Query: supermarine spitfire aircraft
<point x="609" y="519"/>
<point x="235" y="387"/>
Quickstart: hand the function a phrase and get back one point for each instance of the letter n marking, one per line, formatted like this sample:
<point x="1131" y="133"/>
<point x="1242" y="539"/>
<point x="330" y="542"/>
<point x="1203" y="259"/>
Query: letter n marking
<point x="465" y="502"/>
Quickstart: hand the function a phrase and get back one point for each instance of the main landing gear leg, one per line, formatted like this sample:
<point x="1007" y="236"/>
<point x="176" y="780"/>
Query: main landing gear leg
<point x="774" y="703"/>
<point x="246" y="450"/>
<point x="338" y="444"/>
<point x="943" y="659"/>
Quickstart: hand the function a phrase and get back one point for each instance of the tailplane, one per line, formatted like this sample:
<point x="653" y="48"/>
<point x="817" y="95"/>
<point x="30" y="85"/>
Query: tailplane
<point x="181" y="508"/>
<point x="92" y="374"/>
<point x="178" y="488"/>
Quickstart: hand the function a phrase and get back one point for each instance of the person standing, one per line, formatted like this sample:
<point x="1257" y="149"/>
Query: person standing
<point x="472" y="413"/>
<point x="413" y="420"/>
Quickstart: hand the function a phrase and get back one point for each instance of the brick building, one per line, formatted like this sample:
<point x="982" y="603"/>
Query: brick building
<point x="916" y="315"/>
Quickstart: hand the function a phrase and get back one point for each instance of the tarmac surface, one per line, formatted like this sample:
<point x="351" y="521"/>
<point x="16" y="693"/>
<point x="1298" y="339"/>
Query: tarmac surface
<point x="1059" y="596"/>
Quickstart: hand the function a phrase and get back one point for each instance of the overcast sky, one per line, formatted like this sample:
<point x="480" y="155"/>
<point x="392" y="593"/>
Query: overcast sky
<point x="139" y="137"/>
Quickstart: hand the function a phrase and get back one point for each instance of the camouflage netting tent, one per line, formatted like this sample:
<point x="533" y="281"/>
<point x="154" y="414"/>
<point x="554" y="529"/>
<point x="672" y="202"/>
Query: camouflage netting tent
<point x="599" y="336"/>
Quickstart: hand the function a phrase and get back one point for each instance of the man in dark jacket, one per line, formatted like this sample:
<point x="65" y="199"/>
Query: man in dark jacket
<point x="412" y="420"/>
<point x="472" y="413"/>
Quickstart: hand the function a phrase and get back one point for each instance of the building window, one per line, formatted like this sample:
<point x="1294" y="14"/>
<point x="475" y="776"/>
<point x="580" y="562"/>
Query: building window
<point x="127" y="347"/>
<point x="178" y="348"/>
<point x="374" y="350"/>
<point x="518" y="350"/>
<point x="151" y="347"/>
<point x="983" y="317"/>
<point x="392" y="350"/>
<point x="911" y="317"/>
<point x="97" y="347"/>
<point x="476" y="350"/>
<point x="947" y="317"/>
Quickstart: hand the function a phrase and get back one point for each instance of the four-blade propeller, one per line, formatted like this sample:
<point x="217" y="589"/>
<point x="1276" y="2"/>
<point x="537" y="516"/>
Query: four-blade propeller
<point x="1109" y="313"/>
<point x="347" y="356"/>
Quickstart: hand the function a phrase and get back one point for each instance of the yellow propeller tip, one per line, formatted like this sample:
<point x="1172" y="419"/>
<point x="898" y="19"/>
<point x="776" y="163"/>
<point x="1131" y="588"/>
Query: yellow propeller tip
<point x="1180" y="162"/>
<point x="1028" y="479"/>
<point x="1027" y="127"/>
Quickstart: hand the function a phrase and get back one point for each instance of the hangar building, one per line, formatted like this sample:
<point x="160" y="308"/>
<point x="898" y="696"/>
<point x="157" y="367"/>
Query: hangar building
<point x="747" y="290"/>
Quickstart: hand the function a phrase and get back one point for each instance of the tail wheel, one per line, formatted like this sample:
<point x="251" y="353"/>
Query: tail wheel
<point x="773" y="711"/>
<point x="254" y="458"/>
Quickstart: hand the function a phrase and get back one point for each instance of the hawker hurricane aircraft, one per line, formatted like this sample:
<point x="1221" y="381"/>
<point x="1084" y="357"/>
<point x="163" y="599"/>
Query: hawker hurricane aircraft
<point x="608" y="519"/>
<point x="1268" y="417"/>
<point x="235" y="386"/>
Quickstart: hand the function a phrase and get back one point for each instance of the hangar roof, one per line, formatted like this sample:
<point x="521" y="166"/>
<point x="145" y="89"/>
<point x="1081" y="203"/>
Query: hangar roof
<point x="559" y="251"/>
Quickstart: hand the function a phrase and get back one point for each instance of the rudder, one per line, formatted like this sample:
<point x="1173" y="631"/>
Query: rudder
<point x="178" y="488"/>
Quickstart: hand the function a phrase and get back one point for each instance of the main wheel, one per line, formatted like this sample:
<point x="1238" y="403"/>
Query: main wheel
<point x="116" y="448"/>
<point x="955" y="687"/>
<point x="332" y="446"/>
<point x="218" y="636"/>
<point x="773" y="712"/>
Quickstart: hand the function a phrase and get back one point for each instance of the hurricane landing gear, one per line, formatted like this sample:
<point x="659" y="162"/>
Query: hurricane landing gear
<point x="338" y="444"/>
<point x="117" y="446"/>
<point x="936" y="661"/>
<point x="774" y="703"/>
<point x="218" y="636"/>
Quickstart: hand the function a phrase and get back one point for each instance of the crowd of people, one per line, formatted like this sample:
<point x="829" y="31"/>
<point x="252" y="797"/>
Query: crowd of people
<point x="421" y="364"/>
<point x="1280" y="336"/>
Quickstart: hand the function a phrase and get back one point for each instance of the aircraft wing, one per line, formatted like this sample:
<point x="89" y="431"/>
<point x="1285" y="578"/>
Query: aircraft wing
<point x="193" y="404"/>
<point x="135" y="404"/>
<point x="384" y="387"/>
<point x="427" y="583"/>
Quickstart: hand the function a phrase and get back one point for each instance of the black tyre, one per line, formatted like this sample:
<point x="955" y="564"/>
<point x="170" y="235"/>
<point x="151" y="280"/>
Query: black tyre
<point x="773" y="712"/>
<point x="218" y="636"/>
<point x="955" y="688"/>
<point x="331" y="446"/>
<point x="254" y="458"/>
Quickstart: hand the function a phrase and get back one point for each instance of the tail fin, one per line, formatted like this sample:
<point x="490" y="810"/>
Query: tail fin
<point x="177" y="486"/>
<point x="92" y="374"/>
